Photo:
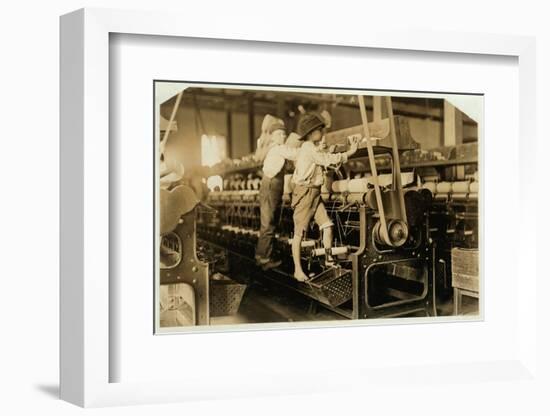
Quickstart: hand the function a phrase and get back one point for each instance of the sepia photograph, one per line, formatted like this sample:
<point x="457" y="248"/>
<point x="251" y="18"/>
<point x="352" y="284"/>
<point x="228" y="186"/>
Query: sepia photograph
<point x="315" y="209"/>
<point x="278" y="206"/>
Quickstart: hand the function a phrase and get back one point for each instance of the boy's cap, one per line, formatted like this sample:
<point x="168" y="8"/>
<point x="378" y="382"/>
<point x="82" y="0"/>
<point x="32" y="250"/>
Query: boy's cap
<point x="308" y="123"/>
<point x="268" y="119"/>
<point x="276" y="125"/>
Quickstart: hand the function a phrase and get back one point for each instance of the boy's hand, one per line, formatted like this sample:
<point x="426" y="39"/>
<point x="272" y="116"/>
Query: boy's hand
<point x="353" y="145"/>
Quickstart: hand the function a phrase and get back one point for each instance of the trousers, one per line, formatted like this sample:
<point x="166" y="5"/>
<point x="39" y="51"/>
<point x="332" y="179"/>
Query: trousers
<point x="271" y="194"/>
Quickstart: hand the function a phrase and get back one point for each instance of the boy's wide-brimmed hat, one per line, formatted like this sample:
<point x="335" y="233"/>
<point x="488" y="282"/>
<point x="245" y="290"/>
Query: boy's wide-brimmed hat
<point x="309" y="123"/>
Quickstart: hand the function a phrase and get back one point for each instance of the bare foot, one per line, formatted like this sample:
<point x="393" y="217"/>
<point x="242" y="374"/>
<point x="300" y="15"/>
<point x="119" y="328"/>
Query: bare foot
<point x="300" y="276"/>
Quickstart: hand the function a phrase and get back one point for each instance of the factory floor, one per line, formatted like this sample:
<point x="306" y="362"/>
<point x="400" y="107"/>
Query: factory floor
<point x="266" y="305"/>
<point x="261" y="305"/>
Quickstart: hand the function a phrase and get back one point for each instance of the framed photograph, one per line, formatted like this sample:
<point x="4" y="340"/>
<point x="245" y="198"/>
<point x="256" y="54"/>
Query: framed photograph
<point x="252" y="216"/>
<point x="380" y="188"/>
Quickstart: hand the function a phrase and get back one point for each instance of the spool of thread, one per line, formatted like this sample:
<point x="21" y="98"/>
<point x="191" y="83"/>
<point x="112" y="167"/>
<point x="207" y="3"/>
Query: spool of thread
<point x="305" y="243"/>
<point x="386" y="179"/>
<point x="460" y="187"/>
<point x="358" y="185"/>
<point x="430" y="186"/>
<point x="340" y="186"/>
<point x="430" y="178"/>
<point x="356" y="197"/>
<point x="335" y="251"/>
<point x="460" y="196"/>
<point x="474" y="187"/>
<point x="443" y="187"/>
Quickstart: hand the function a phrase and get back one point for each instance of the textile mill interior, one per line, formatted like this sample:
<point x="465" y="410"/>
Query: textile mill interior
<point x="300" y="205"/>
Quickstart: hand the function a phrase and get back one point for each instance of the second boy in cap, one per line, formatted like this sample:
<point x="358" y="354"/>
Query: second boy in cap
<point x="271" y="191"/>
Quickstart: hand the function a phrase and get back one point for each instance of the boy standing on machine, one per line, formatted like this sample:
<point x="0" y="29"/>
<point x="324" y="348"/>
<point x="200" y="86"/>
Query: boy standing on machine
<point x="271" y="191"/>
<point x="308" y="178"/>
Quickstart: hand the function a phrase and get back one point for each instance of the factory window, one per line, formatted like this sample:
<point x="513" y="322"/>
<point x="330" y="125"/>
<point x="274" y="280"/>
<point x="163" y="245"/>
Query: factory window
<point x="213" y="150"/>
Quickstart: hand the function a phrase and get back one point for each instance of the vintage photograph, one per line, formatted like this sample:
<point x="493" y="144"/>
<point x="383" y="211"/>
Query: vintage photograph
<point x="283" y="204"/>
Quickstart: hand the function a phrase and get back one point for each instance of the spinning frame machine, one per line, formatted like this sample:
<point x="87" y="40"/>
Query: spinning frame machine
<point x="384" y="255"/>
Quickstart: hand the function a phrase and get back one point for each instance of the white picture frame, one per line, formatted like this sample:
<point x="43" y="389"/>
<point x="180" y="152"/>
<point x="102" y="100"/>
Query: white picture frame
<point x="85" y="163"/>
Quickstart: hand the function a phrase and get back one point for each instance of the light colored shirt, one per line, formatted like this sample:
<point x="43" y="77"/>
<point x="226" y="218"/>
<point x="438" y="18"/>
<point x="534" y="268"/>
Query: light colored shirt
<point x="263" y="144"/>
<point x="310" y="162"/>
<point x="275" y="158"/>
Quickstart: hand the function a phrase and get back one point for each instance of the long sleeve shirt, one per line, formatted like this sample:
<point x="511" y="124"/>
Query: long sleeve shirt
<point x="310" y="162"/>
<point x="275" y="159"/>
<point x="263" y="144"/>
